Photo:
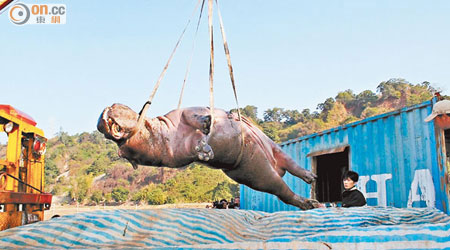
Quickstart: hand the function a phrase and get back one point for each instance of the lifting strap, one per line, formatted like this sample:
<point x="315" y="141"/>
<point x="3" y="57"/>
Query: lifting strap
<point x="211" y="73"/>
<point x="230" y="69"/>
<point x="211" y="64"/>
<point x="149" y="102"/>
<point x="190" y="59"/>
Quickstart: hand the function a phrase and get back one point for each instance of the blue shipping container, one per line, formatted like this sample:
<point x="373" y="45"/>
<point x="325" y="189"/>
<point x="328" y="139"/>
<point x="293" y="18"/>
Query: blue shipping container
<point x="402" y="162"/>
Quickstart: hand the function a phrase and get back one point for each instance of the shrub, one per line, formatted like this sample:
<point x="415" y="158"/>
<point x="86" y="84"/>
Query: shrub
<point x="120" y="194"/>
<point x="97" y="196"/>
<point x="157" y="197"/>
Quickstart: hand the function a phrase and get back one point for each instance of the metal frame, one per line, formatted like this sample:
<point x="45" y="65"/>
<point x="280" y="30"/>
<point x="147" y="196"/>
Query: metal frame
<point x="22" y="199"/>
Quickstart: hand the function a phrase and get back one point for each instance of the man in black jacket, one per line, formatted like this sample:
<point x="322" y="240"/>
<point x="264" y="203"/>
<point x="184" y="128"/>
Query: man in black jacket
<point x="352" y="197"/>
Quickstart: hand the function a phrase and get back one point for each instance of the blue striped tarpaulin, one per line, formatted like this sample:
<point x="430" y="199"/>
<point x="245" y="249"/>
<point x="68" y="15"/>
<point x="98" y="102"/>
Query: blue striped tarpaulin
<point x="337" y="228"/>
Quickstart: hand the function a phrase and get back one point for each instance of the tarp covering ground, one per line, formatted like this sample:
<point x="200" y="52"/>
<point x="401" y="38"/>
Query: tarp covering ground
<point x="330" y="228"/>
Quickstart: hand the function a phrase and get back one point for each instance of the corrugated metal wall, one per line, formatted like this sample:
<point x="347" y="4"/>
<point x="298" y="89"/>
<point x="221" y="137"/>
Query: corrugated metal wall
<point x="399" y="158"/>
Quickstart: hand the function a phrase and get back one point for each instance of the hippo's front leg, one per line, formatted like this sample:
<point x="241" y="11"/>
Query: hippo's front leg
<point x="204" y="151"/>
<point x="201" y="123"/>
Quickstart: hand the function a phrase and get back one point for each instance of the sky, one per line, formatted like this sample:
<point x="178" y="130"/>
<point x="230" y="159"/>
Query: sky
<point x="291" y="54"/>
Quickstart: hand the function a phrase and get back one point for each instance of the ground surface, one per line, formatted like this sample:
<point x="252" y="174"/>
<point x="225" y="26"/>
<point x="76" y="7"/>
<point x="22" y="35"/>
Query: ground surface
<point x="196" y="228"/>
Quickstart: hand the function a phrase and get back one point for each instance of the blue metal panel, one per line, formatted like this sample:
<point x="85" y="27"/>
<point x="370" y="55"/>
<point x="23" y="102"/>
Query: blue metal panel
<point x="399" y="157"/>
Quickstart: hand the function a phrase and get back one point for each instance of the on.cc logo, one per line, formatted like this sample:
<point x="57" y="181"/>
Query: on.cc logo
<point x="19" y="14"/>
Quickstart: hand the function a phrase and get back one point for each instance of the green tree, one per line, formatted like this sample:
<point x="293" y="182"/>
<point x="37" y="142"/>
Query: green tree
<point x="120" y="194"/>
<point x="222" y="191"/>
<point x="157" y="197"/>
<point x="306" y="113"/>
<point x="194" y="184"/>
<point x="97" y="196"/>
<point x="291" y="117"/>
<point x="97" y="138"/>
<point x="273" y="115"/>
<point x="346" y="97"/>
<point x="250" y="112"/>
<point x="80" y="187"/>
<point x="271" y="129"/>
<point x="325" y="107"/>
<point x="138" y="196"/>
<point x="64" y="138"/>
<point x="392" y="88"/>
<point x="51" y="171"/>
<point x="99" y="166"/>
<point x="108" y="197"/>
<point x="420" y="93"/>
<point x="366" y="97"/>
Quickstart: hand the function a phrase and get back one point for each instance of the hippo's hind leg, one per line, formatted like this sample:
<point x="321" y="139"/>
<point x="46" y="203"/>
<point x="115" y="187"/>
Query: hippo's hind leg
<point x="286" y="195"/>
<point x="205" y="121"/>
<point x="265" y="180"/>
<point x="284" y="161"/>
<point x="198" y="121"/>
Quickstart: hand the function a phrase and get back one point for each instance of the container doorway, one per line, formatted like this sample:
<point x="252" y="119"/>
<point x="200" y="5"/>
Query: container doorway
<point x="447" y="144"/>
<point x="329" y="170"/>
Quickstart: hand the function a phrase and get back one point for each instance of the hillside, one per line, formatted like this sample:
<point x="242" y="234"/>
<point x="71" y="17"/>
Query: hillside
<point x="345" y="107"/>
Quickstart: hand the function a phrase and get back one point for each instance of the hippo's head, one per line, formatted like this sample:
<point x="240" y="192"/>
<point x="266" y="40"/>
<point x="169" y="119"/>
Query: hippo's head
<point x="117" y="122"/>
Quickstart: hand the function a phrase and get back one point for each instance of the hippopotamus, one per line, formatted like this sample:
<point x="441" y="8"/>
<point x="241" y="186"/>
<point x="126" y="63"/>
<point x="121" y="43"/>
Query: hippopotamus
<point x="221" y="141"/>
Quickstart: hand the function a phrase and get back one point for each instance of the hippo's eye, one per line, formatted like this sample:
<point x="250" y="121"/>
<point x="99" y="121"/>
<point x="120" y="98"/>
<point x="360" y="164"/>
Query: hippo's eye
<point x="114" y="125"/>
<point x="115" y="128"/>
<point x="116" y="131"/>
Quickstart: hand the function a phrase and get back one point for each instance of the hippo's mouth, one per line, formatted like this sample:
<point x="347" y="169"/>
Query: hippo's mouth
<point x="102" y="124"/>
